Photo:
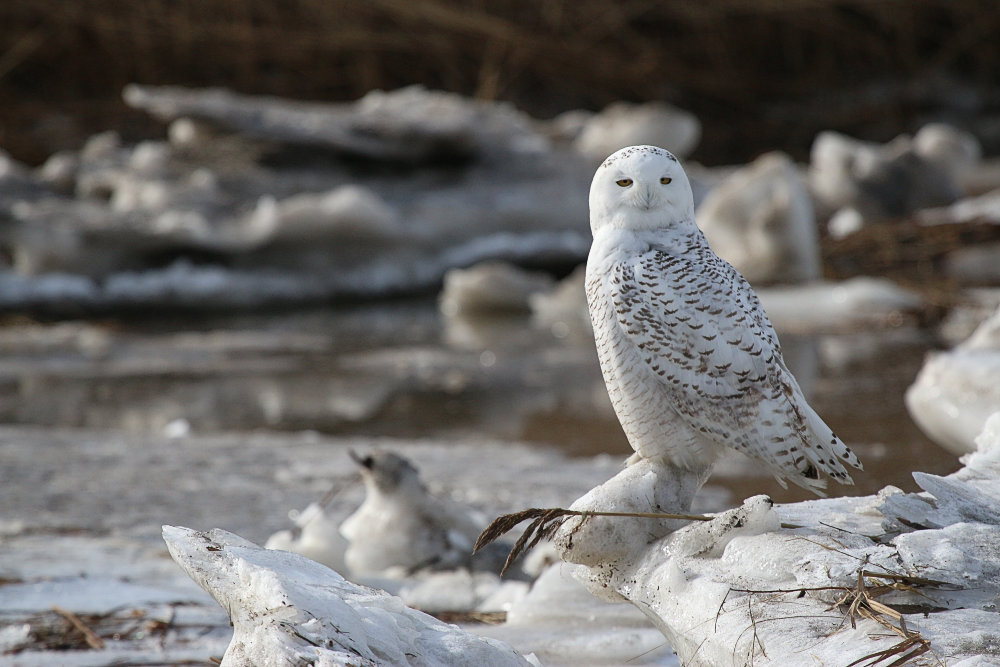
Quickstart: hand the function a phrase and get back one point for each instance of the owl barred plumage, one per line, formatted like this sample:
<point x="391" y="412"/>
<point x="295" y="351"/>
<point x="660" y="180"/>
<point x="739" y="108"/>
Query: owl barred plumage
<point x="690" y="359"/>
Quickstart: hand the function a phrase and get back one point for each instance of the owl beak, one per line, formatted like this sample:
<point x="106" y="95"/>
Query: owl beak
<point x="645" y="199"/>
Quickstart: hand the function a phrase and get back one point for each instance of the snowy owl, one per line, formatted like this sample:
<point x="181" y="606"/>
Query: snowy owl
<point x="688" y="354"/>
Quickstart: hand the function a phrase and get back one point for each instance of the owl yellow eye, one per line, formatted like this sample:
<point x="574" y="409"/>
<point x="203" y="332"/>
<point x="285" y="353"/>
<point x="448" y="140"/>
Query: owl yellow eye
<point x="666" y="180"/>
<point x="625" y="182"/>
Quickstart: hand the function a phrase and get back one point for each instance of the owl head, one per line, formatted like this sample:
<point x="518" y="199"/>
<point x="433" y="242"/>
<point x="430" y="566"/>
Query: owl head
<point x="640" y="188"/>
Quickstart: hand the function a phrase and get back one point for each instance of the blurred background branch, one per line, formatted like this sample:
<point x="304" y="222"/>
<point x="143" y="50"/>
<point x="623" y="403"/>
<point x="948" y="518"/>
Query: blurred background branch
<point x="783" y="69"/>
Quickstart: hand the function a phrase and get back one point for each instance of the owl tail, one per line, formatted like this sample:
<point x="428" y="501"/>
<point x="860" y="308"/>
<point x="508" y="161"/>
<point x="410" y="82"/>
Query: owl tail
<point x="837" y="453"/>
<point x="808" y="479"/>
<point x="825" y="454"/>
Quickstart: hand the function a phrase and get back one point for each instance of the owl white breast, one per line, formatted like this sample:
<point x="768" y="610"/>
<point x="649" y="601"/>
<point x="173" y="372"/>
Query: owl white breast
<point x="688" y="354"/>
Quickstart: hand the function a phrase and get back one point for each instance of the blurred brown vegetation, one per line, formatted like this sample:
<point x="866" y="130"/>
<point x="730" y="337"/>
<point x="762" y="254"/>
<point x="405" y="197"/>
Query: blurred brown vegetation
<point x="761" y="74"/>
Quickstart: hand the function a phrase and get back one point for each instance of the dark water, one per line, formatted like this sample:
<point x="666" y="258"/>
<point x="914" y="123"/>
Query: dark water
<point x="399" y="369"/>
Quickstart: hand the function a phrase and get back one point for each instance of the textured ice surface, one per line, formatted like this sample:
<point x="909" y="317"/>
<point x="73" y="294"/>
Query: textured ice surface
<point x="285" y="607"/>
<point x="956" y="391"/>
<point x="741" y="589"/>
<point x="563" y="624"/>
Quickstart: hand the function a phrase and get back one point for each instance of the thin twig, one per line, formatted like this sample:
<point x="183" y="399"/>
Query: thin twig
<point x="93" y="640"/>
<point x="861" y="602"/>
<point x="905" y="578"/>
<point x="756" y="638"/>
<point x="800" y="591"/>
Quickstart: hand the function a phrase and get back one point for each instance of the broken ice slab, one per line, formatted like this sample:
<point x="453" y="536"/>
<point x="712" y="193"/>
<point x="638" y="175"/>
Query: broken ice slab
<point x="410" y="125"/>
<point x="285" y="607"/>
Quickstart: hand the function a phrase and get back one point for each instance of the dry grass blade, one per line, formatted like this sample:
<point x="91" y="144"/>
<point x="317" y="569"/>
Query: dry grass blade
<point x="93" y="640"/>
<point x="905" y="578"/>
<point x="864" y="605"/>
<point x="545" y="521"/>
<point x="542" y="526"/>
<point x="472" y="617"/>
<point x="503" y="525"/>
<point x="860" y="601"/>
<point x="907" y="650"/>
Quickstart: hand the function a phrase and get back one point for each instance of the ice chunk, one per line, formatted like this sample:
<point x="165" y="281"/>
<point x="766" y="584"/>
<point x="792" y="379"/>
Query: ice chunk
<point x="761" y="221"/>
<point x="947" y="146"/>
<point x="879" y="181"/>
<point x="624" y="124"/>
<point x="490" y="288"/>
<point x="646" y="486"/>
<point x="956" y="391"/>
<point x="347" y="214"/>
<point x="844" y="306"/>
<point x="563" y="624"/>
<point x="739" y="589"/>
<point x="286" y="608"/>
<point x="407" y="125"/>
<point x="316" y="536"/>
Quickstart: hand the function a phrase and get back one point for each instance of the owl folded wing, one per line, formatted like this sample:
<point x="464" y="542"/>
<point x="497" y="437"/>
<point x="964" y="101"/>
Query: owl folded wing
<point x="699" y="332"/>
